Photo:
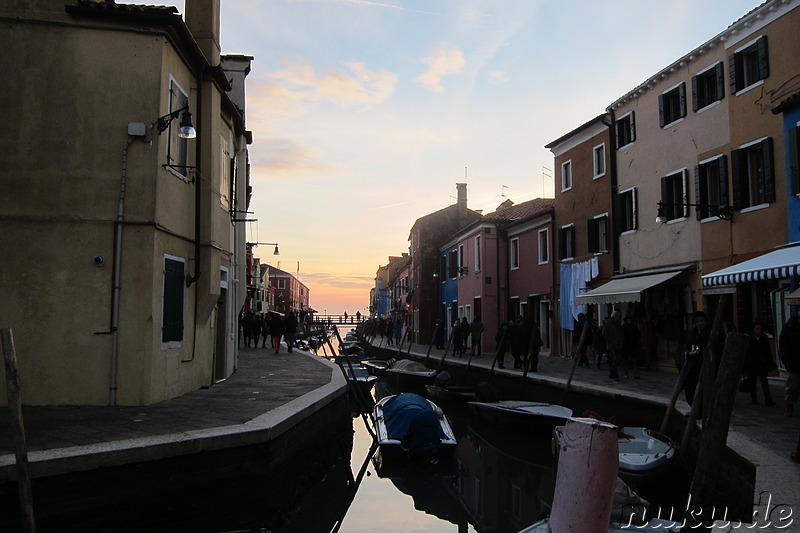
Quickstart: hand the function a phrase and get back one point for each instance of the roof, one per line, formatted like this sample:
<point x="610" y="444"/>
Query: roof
<point x="110" y="5"/>
<point x="522" y="211"/>
<point x="576" y="131"/>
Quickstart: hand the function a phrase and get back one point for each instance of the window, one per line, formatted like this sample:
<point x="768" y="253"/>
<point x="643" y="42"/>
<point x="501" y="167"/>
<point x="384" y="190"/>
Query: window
<point x="749" y="65"/>
<point x="477" y="253"/>
<point x="598" y="234"/>
<point x="453" y="263"/>
<point x="544" y="246"/>
<point x="753" y="176"/>
<point x="625" y="129"/>
<point x="281" y="283"/>
<point x="172" y="311"/>
<point x="675" y="195"/>
<point x="628" y="215"/>
<point x="708" y="86"/>
<point x="566" y="242"/>
<point x="177" y="148"/>
<point x="566" y="176"/>
<point x="462" y="264"/>
<point x="672" y="105"/>
<point x="514" y="254"/>
<point x="599" y="160"/>
<point x="793" y="152"/>
<point x="711" y="186"/>
<point x="225" y="173"/>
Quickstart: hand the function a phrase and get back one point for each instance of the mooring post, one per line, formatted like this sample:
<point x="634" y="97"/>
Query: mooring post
<point x="715" y="429"/>
<point x="675" y="393"/>
<point x="575" y="358"/>
<point x="18" y="428"/>
<point x="433" y="338"/>
<point x="588" y="460"/>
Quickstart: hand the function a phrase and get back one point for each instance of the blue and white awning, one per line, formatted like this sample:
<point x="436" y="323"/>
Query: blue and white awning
<point x="780" y="264"/>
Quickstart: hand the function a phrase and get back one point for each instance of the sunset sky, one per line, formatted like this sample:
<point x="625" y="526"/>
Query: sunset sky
<point x="366" y="113"/>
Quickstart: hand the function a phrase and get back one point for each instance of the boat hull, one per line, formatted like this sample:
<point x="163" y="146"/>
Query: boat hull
<point x="397" y="441"/>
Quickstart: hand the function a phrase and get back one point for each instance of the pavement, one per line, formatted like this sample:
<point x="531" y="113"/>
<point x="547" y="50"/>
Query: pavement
<point x="270" y="393"/>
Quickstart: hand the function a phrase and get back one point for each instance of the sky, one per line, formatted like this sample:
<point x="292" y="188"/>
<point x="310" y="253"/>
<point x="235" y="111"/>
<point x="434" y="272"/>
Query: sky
<point x="366" y="113"/>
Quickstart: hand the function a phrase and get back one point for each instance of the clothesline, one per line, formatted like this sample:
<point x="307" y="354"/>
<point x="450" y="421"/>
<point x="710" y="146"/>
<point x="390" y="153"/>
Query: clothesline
<point x="574" y="277"/>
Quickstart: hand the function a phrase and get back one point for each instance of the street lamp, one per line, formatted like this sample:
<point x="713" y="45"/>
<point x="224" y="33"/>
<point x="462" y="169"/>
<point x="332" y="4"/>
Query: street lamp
<point x="185" y="130"/>
<point x="725" y="212"/>
<point x="275" y="244"/>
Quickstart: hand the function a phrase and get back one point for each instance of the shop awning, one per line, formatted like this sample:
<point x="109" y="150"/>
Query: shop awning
<point x="624" y="289"/>
<point x="783" y="263"/>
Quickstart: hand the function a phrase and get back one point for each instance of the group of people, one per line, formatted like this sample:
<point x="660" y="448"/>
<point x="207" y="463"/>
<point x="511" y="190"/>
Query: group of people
<point x="391" y="330"/>
<point x="522" y="338"/>
<point x="618" y="340"/>
<point x="467" y="334"/>
<point x="255" y="327"/>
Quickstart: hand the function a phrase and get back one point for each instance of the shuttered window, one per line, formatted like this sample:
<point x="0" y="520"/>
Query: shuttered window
<point x="675" y="195"/>
<point x="174" y="283"/>
<point x="566" y="242"/>
<point x="628" y="210"/>
<point x="598" y="234"/>
<point x="672" y="105"/>
<point x="749" y="65"/>
<point x="625" y="129"/>
<point x="711" y="186"/>
<point x="708" y="86"/>
<point x="753" y="174"/>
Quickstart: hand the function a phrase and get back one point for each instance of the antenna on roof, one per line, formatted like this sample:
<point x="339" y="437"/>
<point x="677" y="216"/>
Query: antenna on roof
<point x="503" y="191"/>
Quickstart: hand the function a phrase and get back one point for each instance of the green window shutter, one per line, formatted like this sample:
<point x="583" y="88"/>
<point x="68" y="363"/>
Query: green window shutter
<point x="724" y="199"/>
<point x="661" y="119"/>
<point x="593" y="244"/>
<point x="685" y="190"/>
<point x="720" y="71"/>
<point x="682" y="97"/>
<point x="763" y="58"/>
<point x="793" y="149"/>
<point x="700" y="193"/>
<point x="739" y="199"/>
<point x="735" y="73"/>
<point x="172" y="321"/>
<point x="769" y="170"/>
<point x="695" y="105"/>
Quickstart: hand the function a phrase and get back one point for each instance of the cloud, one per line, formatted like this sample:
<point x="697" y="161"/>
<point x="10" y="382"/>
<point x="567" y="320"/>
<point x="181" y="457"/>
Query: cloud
<point x="355" y="85"/>
<point x="498" y="77"/>
<point x="279" y="157"/>
<point x="445" y="60"/>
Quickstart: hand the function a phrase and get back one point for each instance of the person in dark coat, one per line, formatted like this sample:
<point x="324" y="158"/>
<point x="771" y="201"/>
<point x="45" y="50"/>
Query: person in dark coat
<point x="758" y="363"/>
<point x="615" y="342"/>
<point x="256" y="330"/>
<point x="476" y="331"/>
<point x="535" y="344"/>
<point x="290" y="329"/>
<point x="276" y="330"/>
<point x="696" y="341"/>
<point x="598" y="344"/>
<point x="789" y="344"/>
<point x="463" y="328"/>
<point x="516" y="332"/>
<point x="577" y="331"/>
<point x="439" y="338"/>
<point x="247" y="329"/>
<point x="458" y="338"/>
<point x="502" y="339"/>
<point x="630" y="353"/>
<point x="265" y="325"/>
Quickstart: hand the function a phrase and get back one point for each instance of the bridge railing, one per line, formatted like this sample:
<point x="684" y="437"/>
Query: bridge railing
<point x="340" y="319"/>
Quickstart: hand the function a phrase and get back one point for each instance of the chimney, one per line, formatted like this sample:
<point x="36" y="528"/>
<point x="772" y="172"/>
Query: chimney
<point x="202" y="18"/>
<point x="461" y="201"/>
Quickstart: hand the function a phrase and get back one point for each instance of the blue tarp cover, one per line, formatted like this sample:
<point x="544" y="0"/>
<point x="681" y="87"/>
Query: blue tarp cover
<point x="411" y="418"/>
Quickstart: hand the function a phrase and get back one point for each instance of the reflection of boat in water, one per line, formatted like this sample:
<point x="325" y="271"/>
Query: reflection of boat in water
<point x="408" y="425"/>
<point x="408" y="374"/>
<point x="533" y="415"/>
<point x="643" y="454"/>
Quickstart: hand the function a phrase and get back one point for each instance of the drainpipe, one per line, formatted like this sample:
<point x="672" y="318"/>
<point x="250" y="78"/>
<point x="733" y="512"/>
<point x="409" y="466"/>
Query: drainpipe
<point x="611" y="121"/>
<point x="190" y="279"/>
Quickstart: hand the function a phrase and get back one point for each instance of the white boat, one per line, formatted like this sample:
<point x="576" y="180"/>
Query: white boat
<point x="359" y="376"/>
<point x="517" y="412"/>
<point x="408" y="425"/>
<point x="409" y="374"/>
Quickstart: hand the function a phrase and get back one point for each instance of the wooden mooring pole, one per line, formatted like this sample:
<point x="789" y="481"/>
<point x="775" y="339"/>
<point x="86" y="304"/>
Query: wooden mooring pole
<point x="575" y="359"/>
<point x="18" y="427"/>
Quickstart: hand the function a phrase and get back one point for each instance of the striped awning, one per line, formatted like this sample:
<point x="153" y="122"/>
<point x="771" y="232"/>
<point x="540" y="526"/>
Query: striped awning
<point x="780" y="264"/>
<point x="624" y="289"/>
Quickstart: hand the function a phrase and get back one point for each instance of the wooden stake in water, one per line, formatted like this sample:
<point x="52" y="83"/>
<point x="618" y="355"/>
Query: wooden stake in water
<point x="20" y="443"/>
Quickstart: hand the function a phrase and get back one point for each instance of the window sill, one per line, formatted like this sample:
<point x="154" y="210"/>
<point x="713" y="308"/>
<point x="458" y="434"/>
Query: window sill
<point x="751" y="86"/>
<point x="625" y="145"/>
<point x="712" y="105"/>
<point x="598" y="176"/>
<point x="709" y="219"/>
<point x="758" y="207"/>
<point x="628" y="232"/>
<point x="677" y="220"/>
<point x="171" y="345"/>
<point x="673" y="123"/>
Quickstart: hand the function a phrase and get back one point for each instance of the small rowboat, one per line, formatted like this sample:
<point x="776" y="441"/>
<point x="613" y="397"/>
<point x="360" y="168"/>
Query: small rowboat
<point x="409" y="426"/>
<point x="518" y="412"/>
<point x="408" y="374"/>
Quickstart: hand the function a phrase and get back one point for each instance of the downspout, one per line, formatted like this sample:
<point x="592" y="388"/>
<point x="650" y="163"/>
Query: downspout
<point x="116" y="279"/>
<point x="612" y="128"/>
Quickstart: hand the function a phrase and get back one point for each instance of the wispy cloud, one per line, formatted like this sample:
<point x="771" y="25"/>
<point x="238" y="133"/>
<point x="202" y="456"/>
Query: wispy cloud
<point x="498" y="77"/>
<point x="445" y="60"/>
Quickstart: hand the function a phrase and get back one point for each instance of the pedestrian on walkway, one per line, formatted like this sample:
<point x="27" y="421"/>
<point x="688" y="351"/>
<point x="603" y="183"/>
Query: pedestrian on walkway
<point x="290" y="329"/>
<point x="502" y="340"/>
<point x="615" y="342"/>
<point x="789" y="344"/>
<point x="517" y="341"/>
<point x="476" y="332"/>
<point x="632" y="347"/>
<point x="398" y="331"/>
<point x="535" y="344"/>
<point x="577" y="332"/>
<point x="265" y="325"/>
<point x="247" y="329"/>
<point x="276" y="331"/>
<point x="598" y="344"/>
<point x="256" y="330"/>
<point x="758" y="363"/>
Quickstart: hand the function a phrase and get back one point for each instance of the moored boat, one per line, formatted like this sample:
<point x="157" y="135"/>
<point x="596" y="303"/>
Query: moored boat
<point x="358" y="376"/>
<point x="534" y="415"/>
<point x="409" y="374"/>
<point x="376" y="367"/>
<point x="410" y="426"/>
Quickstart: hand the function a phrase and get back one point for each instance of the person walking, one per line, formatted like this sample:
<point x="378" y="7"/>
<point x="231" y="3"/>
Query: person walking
<point x="439" y="337"/>
<point x="476" y="333"/>
<point x="535" y="344"/>
<point x="256" y="330"/>
<point x="398" y="331"/>
<point x="758" y="363"/>
<point x="516" y="332"/>
<point x="598" y="344"/>
<point x="265" y="325"/>
<point x="276" y="331"/>
<point x="247" y="329"/>
<point x="615" y="342"/>
<point x="502" y="340"/>
<point x="577" y="332"/>
<point x="290" y="329"/>
<point x="632" y="347"/>
<point x="789" y="344"/>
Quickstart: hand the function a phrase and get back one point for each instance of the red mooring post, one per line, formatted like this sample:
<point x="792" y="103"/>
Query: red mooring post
<point x="588" y="461"/>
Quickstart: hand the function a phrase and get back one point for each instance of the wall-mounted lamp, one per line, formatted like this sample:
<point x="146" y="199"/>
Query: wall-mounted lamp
<point x="725" y="212"/>
<point x="462" y="270"/>
<point x="275" y="244"/>
<point x="185" y="130"/>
